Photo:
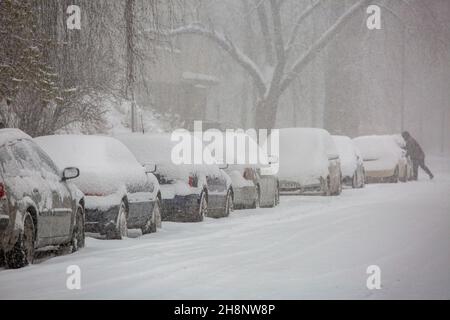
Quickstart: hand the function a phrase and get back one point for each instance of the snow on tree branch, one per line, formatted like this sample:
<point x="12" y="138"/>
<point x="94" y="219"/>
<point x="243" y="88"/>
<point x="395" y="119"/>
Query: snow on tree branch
<point x="226" y="44"/>
<point x="305" y="14"/>
<point x="308" y="56"/>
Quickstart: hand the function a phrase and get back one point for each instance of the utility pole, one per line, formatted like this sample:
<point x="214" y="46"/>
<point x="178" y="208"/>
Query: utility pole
<point x="403" y="71"/>
<point x="130" y="48"/>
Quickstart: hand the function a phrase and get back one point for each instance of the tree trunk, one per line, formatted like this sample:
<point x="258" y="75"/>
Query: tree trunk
<point x="266" y="112"/>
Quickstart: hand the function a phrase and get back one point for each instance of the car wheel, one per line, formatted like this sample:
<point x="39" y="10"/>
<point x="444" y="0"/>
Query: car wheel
<point x="326" y="187"/>
<point x="339" y="191"/>
<point x="2" y="258"/>
<point x="78" y="238"/>
<point x="203" y="208"/>
<point x="228" y="204"/>
<point x="22" y="253"/>
<point x="355" y="180"/>
<point x="152" y="223"/>
<point x="120" y="230"/>
<point x="258" y="199"/>
<point x="395" y="178"/>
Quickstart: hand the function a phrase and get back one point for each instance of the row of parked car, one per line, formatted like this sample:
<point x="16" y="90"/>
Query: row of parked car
<point x="312" y="160"/>
<point x="106" y="187"/>
<point x="56" y="189"/>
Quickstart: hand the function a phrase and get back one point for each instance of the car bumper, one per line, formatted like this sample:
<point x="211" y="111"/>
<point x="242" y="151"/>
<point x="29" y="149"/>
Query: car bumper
<point x="99" y="220"/>
<point x="181" y="208"/>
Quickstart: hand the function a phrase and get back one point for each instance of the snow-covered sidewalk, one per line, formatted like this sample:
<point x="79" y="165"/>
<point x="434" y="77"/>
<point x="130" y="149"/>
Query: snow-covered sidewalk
<point x="308" y="247"/>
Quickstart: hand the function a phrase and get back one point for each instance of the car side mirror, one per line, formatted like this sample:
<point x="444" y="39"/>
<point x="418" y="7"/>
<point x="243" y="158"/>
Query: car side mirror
<point x="149" y="168"/>
<point x="70" y="173"/>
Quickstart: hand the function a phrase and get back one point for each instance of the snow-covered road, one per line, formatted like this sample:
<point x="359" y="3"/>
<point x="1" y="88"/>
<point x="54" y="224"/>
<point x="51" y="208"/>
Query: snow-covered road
<point x="308" y="247"/>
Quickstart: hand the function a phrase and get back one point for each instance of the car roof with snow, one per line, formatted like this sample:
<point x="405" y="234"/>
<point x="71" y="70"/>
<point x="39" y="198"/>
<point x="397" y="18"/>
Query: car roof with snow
<point x="157" y="148"/>
<point x="303" y="154"/>
<point x="11" y="134"/>
<point x="375" y="147"/>
<point x="105" y="163"/>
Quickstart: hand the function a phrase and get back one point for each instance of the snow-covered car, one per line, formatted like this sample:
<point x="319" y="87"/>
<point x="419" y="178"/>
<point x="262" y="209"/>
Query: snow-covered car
<point x="189" y="192"/>
<point x="254" y="184"/>
<point x="384" y="159"/>
<point x="39" y="207"/>
<point x="119" y="193"/>
<point x="352" y="165"/>
<point x="308" y="162"/>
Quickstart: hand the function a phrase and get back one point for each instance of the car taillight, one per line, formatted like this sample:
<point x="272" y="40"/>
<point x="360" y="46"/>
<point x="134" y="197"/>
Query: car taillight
<point x="2" y="191"/>
<point x="93" y="194"/>
<point x="193" y="181"/>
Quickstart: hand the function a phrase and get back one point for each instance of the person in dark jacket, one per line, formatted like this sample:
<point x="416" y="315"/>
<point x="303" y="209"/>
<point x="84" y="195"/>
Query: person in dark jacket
<point x="415" y="152"/>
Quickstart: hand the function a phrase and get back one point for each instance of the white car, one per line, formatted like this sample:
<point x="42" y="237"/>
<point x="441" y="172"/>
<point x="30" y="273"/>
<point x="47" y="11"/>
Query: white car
<point x="308" y="162"/>
<point x="384" y="159"/>
<point x="119" y="193"/>
<point x="352" y="165"/>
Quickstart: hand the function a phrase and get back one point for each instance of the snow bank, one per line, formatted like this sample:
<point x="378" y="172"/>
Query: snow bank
<point x="379" y="152"/>
<point x="105" y="164"/>
<point x="303" y="155"/>
<point x="347" y="154"/>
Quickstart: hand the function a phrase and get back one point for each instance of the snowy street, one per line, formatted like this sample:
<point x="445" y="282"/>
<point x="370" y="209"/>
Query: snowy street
<point x="308" y="247"/>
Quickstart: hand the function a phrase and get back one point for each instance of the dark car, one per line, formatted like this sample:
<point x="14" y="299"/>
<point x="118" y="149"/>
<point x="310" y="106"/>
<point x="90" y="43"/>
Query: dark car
<point x="189" y="192"/>
<point x="120" y="194"/>
<point x="38" y="206"/>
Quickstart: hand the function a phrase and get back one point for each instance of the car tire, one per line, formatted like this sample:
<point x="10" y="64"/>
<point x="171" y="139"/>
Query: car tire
<point x="78" y="237"/>
<point x="395" y="178"/>
<point x="2" y="258"/>
<point x="228" y="204"/>
<point x="22" y="253"/>
<point x="258" y="197"/>
<point x="152" y="223"/>
<point x="326" y="187"/>
<point x="355" y="180"/>
<point x="203" y="207"/>
<point x="120" y="230"/>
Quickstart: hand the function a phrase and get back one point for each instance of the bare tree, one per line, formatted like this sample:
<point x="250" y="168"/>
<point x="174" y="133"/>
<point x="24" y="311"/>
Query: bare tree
<point x="278" y="49"/>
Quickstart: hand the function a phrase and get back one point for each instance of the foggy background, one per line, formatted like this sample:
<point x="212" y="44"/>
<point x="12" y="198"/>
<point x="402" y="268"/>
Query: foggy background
<point x="229" y="63"/>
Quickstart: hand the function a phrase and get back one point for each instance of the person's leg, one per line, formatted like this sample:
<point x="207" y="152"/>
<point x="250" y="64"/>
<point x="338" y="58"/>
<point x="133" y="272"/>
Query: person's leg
<point x="415" y="169"/>
<point x="425" y="168"/>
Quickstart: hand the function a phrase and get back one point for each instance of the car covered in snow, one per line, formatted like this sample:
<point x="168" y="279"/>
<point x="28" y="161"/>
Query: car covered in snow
<point x="308" y="162"/>
<point x="120" y="194"/>
<point x="255" y="184"/>
<point x="39" y="207"/>
<point x="189" y="192"/>
<point x="352" y="164"/>
<point x="384" y="159"/>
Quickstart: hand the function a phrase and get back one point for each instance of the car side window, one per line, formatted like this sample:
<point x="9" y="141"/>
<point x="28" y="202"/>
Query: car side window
<point x="46" y="163"/>
<point x="24" y="158"/>
<point x="8" y="165"/>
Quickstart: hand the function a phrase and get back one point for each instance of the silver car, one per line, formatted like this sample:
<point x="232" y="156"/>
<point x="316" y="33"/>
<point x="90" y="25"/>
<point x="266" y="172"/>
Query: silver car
<point x="38" y="206"/>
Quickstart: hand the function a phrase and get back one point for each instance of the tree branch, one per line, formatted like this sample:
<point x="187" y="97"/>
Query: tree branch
<point x="306" y="58"/>
<point x="305" y="14"/>
<point x="227" y="45"/>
